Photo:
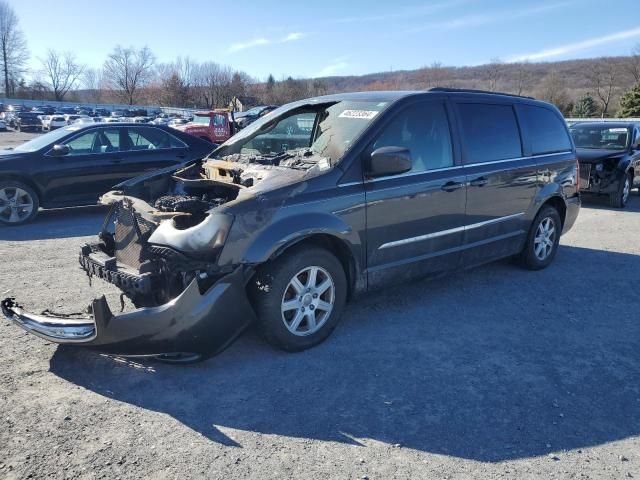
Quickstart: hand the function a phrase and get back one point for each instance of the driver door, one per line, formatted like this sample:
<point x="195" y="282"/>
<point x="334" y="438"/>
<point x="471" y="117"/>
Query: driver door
<point x="91" y="168"/>
<point x="415" y="220"/>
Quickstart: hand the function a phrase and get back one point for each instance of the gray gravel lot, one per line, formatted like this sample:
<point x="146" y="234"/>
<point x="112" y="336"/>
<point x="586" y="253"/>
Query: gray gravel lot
<point x="491" y="373"/>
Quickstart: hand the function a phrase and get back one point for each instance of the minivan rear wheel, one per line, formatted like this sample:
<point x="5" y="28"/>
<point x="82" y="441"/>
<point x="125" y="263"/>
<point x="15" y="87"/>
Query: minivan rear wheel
<point x="299" y="297"/>
<point x="542" y="240"/>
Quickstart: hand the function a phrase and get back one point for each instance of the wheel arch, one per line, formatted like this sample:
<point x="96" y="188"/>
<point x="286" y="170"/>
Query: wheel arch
<point x="4" y="177"/>
<point x="331" y="243"/>
<point x="558" y="203"/>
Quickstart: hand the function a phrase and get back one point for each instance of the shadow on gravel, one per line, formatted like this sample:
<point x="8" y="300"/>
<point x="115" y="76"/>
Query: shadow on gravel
<point x="58" y="223"/>
<point x="490" y="365"/>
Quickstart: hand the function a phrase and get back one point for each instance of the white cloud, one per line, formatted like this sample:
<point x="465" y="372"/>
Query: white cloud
<point x="405" y="13"/>
<point x="236" y="47"/>
<point x="293" y="36"/>
<point x="575" y="47"/>
<point x="483" y="19"/>
<point x="259" y="42"/>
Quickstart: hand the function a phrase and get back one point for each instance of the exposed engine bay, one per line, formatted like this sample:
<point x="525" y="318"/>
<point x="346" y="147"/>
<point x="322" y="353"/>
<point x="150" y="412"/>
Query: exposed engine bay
<point x="164" y="232"/>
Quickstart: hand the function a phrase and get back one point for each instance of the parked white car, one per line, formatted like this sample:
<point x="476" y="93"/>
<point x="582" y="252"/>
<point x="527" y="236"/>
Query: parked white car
<point x="51" y="122"/>
<point x="83" y="120"/>
<point x="177" y="122"/>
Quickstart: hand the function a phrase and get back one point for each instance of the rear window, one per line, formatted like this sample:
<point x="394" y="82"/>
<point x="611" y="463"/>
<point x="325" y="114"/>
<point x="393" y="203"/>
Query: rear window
<point x="490" y="132"/>
<point x="547" y="132"/>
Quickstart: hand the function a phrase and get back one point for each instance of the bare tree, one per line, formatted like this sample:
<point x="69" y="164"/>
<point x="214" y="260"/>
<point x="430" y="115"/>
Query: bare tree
<point x="603" y="80"/>
<point x="553" y="89"/>
<point x="61" y="72"/>
<point x="523" y="78"/>
<point x="13" y="48"/>
<point x="127" y="70"/>
<point x="92" y="82"/>
<point x="633" y="65"/>
<point x="494" y="71"/>
<point x="435" y="75"/>
<point x="212" y="82"/>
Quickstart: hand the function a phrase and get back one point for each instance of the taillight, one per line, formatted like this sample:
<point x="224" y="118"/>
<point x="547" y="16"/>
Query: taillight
<point x="577" y="176"/>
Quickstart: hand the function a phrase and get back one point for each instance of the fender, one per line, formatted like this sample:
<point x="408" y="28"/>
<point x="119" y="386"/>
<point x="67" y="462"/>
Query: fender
<point x="287" y="231"/>
<point x="547" y="191"/>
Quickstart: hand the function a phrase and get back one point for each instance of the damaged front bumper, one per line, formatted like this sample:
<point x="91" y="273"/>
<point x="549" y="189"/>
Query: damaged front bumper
<point x="197" y="322"/>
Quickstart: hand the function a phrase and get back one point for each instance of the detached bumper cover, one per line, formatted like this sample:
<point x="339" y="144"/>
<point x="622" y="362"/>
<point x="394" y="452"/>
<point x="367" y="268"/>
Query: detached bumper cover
<point x="193" y="322"/>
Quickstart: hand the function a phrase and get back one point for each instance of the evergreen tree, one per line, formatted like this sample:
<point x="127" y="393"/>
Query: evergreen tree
<point x="585" y="107"/>
<point x="630" y="103"/>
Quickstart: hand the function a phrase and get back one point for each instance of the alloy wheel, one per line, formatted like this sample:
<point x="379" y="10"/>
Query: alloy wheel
<point x="626" y="190"/>
<point x="16" y="204"/>
<point x="545" y="238"/>
<point x="307" y="301"/>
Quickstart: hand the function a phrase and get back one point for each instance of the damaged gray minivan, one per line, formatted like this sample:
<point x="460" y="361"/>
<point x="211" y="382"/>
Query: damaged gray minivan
<point x="319" y="200"/>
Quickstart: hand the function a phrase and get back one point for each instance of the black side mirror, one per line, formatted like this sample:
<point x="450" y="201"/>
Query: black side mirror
<point x="387" y="161"/>
<point x="60" y="150"/>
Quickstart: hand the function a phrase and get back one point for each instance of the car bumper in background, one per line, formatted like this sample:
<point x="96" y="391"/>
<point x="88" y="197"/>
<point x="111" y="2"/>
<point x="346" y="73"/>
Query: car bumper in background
<point x="194" y="322"/>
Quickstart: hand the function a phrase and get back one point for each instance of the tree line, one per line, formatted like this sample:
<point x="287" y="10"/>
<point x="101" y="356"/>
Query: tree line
<point x="582" y="88"/>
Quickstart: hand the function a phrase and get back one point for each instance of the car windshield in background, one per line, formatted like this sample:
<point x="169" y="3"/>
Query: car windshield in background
<point x="325" y="129"/>
<point x="606" y="138"/>
<point x="42" y="141"/>
<point x="201" y="120"/>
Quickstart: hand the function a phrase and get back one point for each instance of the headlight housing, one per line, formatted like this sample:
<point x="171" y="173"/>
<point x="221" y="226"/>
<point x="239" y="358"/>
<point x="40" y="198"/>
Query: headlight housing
<point x="599" y="167"/>
<point x="206" y="237"/>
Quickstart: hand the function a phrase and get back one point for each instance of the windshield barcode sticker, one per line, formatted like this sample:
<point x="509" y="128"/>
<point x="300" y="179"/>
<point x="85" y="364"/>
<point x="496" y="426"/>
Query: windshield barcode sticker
<point x="365" y="114"/>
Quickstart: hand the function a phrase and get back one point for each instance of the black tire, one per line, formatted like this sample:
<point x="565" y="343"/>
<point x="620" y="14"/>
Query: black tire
<point x="617" y="199"/>
<point x="272" y="282"/>
<point x="528" y="258"/>
<point x="17" y="128"/>
<point x="12" y="184"/>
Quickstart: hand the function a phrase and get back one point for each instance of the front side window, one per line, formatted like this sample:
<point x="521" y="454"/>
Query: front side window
<point x="145" y="138"/>
<point x="490" y="132"/>
<point x="548" y="132"/>
<point x="600" y="137"/>
<point x="95" y="142"/>
<point x="424" y="130"/>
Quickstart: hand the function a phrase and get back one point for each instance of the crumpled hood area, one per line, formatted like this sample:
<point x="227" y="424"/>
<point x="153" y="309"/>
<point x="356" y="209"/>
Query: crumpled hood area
<point x="589" y="155"/>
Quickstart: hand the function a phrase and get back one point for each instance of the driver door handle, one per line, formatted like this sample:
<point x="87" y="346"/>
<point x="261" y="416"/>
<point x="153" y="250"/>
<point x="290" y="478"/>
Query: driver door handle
<point x="452" y="186"/>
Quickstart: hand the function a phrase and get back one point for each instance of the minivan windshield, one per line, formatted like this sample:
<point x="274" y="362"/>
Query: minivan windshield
<point x="600" y="137"/>
<point x="324" y="130"/>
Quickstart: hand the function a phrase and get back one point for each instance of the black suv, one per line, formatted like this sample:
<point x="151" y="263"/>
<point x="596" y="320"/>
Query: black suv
<point x="28" y="121"/>
<point x="387" y="187"/>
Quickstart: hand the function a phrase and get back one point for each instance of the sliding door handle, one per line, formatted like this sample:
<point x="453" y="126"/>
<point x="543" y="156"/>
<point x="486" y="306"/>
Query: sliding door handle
<point x="452" y="186"/>
<point x="479" y="182"/>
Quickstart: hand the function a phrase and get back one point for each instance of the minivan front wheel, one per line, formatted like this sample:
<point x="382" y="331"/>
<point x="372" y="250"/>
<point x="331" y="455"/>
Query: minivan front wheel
<point x="619" y="198"/>
<point x="542" y="240"/>
<point x="299" y="297"/>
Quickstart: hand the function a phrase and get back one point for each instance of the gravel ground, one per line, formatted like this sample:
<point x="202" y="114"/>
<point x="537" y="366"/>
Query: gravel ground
<point x="491" y="373"/>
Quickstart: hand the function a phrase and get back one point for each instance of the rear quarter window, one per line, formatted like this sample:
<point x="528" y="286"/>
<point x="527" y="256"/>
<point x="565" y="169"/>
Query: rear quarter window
<point x="490" y="132"/>
<point x="546" y="131"/>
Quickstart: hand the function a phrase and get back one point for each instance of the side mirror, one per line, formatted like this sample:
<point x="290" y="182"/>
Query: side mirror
<point x="60" y="150"/>
<point x="387" y="161"/>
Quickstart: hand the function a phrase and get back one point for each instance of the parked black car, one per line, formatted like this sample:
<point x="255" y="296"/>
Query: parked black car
<point x="73" y="166"/>
<point x="244" y="119"/>
<point x="28" y="121"/>
<point x="389" y="187"/>
<point x="609" y="155"/>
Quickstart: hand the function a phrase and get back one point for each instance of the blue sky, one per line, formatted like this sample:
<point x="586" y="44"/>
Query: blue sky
<point x="332" y="37"/>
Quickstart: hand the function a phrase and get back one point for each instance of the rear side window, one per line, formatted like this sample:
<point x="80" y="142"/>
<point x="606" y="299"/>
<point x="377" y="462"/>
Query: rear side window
<point x="490" y="132"/>
<point x="547" y="132"/>
<point x="423" y="129"/>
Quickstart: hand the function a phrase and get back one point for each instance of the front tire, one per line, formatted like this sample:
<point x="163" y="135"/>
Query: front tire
<point x="620" y="198"/>
<point x="299" y="297"/>
<point x="542" y="240"/>
<point x="18" y="203"/>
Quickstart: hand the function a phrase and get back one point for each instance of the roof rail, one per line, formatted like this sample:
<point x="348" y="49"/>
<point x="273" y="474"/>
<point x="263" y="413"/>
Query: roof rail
<point x="470" y="90"/>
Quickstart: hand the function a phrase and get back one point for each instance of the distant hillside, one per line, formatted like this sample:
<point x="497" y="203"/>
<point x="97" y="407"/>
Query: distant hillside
<point x="560" y="82"/>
